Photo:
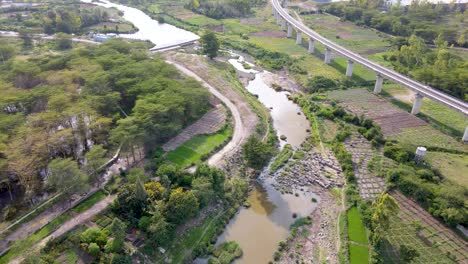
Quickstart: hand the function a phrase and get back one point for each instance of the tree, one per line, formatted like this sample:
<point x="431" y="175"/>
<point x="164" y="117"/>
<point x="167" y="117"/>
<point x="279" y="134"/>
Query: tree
<point x="408" y="253"/>
<point x="256" y="153"/>
<point x="181" y="206"/>
<point x="94" y="160"/>
<point x="384" y="208"/>
<point x="121" y="259"/>
<point x="155" y="190"/>
<point x="27" y="39"/>
<point x="66" y="177"/>
<point x="210" y="44"/>
<point x="63" y="41"/>
<point x="6" y="51"/>
<point x="140" y="192"/>
<point x="461" y="40"/>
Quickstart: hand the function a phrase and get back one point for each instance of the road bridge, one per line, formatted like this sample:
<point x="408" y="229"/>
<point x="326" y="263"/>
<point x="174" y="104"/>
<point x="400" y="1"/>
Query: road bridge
<point x="421" y="90"/>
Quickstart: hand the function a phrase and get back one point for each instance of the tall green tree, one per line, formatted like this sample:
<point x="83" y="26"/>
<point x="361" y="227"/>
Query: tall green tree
<point x="94" y="160"/>
<point x="182" y="205"/>
<point x="210" y="44"/>
<point x="384" y="208"/>
<point x="66" y="177"/>
<point x="256" y="153"/>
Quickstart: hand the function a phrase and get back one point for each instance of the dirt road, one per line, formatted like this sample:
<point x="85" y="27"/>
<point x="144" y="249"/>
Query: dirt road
<point x="239" y="131"/>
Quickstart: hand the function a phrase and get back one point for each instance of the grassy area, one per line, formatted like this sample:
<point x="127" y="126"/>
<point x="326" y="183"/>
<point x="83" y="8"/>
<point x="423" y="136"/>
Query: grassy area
<point x="90" y="201"/>
<point x="281" y="159"/>
<point x="450" y="165"/>
<point x="356" y="229"/>
<point x="357" y="236"/>
<point x="359" y="39"/>
<point x="186" y="243"/>
<point x="198" y="147"/>
<point x="429" y="137"/>
<point x="358" y="254"/>
<point x="21" y="246"/>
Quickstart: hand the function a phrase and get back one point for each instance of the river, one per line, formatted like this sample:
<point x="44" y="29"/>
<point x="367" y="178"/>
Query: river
<point x="161" y="35"/>
<point x="259" y="228"/>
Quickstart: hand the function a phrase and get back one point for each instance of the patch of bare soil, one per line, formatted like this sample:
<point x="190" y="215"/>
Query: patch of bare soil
<point x="207" y="124"/>
<point x="454" y="244"/>
<point x="269" y="34"/>
<point x="345" y="35"/>
<point x="370" y="185"/>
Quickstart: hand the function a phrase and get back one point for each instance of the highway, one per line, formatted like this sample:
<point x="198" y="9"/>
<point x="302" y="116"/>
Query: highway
<point x="416" y="86"/>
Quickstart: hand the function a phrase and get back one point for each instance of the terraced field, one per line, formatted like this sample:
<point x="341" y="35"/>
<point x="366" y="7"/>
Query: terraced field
<point x="395" y="122"/>
<point x="415" y="227"/>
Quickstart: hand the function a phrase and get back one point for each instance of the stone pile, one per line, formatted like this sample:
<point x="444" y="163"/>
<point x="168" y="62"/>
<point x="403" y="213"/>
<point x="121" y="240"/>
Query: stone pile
<point x="314" y="169"/>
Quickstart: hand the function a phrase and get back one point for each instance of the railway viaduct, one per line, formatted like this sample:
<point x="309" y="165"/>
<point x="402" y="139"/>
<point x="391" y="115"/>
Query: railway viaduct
<point x="421" y="90"/>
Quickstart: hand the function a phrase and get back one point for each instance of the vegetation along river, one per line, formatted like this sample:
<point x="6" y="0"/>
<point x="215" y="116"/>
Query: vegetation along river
<point x="259" y="228"/>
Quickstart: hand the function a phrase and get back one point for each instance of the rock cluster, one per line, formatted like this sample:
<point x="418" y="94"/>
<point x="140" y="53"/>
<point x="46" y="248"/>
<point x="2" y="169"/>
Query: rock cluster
<point x="314" y="169"/>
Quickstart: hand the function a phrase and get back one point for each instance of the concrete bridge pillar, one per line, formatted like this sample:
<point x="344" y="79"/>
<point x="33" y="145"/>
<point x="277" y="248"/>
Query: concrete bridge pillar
<point x="299" y="38"/>
<point x="290" y="30"/>
<point x="349" y="69"/>
<point x="311" y="45"/>
<point x="327" y="56"/>
<point x="378" y="84"/>
<point x="417" y="104"/>
<point x="465" y="135"/>
<point x="283" y="25"/>
<point x="278" y="19"/>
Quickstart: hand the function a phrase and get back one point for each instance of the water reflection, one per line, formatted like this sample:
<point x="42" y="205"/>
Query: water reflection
<point x="287" y="117"/>
<point x="162" y="35"/>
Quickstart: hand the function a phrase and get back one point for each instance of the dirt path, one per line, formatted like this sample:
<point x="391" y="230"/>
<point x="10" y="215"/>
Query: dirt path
<point x="69" y="225"/>
<point x="239" y="132"/>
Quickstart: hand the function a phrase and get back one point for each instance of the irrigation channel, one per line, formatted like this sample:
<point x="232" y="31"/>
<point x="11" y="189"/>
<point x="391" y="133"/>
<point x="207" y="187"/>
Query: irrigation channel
<point x="259" y="228"/>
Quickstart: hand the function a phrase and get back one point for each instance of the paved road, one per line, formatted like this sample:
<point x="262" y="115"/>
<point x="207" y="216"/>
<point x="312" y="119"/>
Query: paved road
<point x="418" y="87"/>
<point x="238" y="134"/>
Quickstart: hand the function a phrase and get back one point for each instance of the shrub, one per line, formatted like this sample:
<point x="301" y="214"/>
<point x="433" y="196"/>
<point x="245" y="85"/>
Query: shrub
<point x="94" y="250"/>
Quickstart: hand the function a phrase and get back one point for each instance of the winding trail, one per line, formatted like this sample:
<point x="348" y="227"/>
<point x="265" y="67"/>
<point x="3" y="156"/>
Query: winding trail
<point x="238" y="133"/>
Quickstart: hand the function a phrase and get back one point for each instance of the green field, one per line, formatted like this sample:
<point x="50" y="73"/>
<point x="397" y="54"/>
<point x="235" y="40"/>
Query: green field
<point x="450" y="165"/>
<point x="357" y="235"/>
<point x="356" y="229"/>
<point x="358" y="254"/>
<point x="193" y="150"/>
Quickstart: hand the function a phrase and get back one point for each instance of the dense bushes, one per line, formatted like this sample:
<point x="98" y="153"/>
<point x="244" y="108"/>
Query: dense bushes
<point x="224" y="8"/>
<point x="257" y="153"/>
<point x="281" y="159"/>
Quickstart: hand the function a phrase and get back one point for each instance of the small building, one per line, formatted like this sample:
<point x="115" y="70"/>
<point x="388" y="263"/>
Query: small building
<point x="102" y="37"/>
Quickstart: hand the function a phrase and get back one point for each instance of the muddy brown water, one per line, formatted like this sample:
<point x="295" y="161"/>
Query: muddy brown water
<point x="259" y="228"/>
<point x="288" y="118"/>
